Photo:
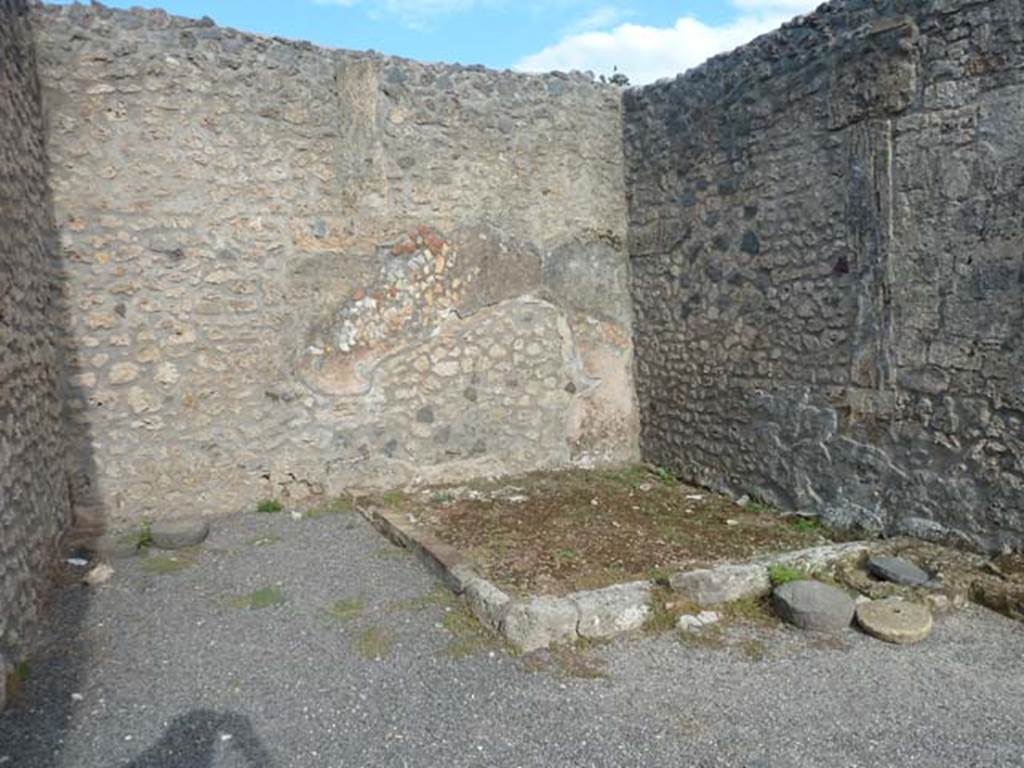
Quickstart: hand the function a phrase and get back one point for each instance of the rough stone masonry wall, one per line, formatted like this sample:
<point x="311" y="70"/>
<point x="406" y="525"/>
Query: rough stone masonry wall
<point x="296" y="270"/>
<point x="34" y="506"/>
<point x="827" y="244"/>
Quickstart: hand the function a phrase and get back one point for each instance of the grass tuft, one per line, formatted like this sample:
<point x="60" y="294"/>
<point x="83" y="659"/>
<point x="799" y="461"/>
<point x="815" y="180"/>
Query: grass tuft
<point x="267" y="597"/>
<point x="806" y="524"/>
<point x="144" y="538"/>
<point x="469" y="636"/>
<point x="749" y="610"/>
<point x="568" y="662"/>
<point x="394" y="499"/>
<point x="780" y="574"/>
<point x="375" y="642"/>
<point x="269" y="506"/>
<point x="666" y="476"/>
<point x="340" y="505"/>
<point x="666" y="607"/>
<point x="345" y="610"/>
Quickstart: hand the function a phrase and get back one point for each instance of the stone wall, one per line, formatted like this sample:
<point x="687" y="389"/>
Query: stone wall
<point x="828" y="256"/>
<point x="295" y="270"/>
<point x="34" y="507"/>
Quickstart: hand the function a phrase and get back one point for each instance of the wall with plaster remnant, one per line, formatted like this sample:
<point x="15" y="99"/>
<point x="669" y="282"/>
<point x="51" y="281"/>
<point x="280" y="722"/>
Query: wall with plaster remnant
<point x="828" y="257"/>
<point x="34" y="508"/>
<point x="295" y="270"/>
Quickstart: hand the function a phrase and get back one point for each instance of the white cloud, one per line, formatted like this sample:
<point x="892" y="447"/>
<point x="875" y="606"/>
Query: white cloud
<point x="602" y="17"/>
<point x="647" y="53"/>
<point x="412" y="13"/>
<point x="794" y="6"/>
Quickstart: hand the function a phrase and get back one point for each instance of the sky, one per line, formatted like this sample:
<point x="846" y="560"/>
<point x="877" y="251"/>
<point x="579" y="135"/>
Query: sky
<point x="644" y="39"/>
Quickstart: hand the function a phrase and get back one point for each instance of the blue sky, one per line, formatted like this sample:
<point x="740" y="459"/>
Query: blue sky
<point x="646" y="39"/>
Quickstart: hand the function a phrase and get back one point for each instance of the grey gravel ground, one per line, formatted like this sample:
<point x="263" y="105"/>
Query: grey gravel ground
<point x="168" y="671"/>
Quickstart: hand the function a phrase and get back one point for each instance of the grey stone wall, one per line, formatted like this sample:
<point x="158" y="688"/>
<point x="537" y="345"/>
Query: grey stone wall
<point x="828" y="256"/>
<point x="34" y="508"/>
<point x="295" y="270"/>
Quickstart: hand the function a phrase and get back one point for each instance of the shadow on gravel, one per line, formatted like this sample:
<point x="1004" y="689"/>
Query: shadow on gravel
<point x="192" y="741"/>
<point x="33" y="729"/>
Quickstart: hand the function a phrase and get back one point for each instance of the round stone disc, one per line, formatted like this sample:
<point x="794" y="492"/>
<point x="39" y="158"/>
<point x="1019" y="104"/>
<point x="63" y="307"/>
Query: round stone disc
<point x="895" y="621"/>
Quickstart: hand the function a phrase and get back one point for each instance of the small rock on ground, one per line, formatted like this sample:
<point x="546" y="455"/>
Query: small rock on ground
<point x="895" y="621"/>
<point x="813" y="605"/>
<point x="689" y="622"/>
<point x="177" y="534"/>
<point x="99" y="575"/>
<point x="899" y="571"/>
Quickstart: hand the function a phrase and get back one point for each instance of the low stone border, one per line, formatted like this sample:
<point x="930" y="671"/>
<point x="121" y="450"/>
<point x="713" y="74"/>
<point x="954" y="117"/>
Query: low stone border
<point x="538" y="622"/>
<point x="709" y="587"/>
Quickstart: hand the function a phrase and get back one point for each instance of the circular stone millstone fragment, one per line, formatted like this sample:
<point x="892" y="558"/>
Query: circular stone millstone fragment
<point x="177" y="534"/>
<point x="895" y="621"/>
<point x="812" y="605"/>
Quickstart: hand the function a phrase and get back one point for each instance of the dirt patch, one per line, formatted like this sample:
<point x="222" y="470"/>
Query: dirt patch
<point x="552" y="533"/>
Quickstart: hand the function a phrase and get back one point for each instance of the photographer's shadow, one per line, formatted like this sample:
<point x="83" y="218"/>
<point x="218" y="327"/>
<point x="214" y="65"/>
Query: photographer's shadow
<point x="193" y="740"/>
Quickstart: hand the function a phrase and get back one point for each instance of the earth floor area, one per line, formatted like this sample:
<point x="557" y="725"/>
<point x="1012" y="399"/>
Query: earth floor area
<point x="556" y="532"/>
<point x="314" y="642"/>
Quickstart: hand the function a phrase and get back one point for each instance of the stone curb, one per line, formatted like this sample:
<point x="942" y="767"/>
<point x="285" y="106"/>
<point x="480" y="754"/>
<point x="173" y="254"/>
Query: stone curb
<point x="530" y="624"/>
<point x="709" y="587"/>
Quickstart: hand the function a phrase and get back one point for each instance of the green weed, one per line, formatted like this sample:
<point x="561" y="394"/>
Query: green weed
<point x="269" y="506"/>
<point x="806" y="524"/>
<point x="267" y="597"/>
<point x="780" y="574"/>
<point x="345" y="610"/>
<point x="375" y="642"/>
<point x="339" y="505"/>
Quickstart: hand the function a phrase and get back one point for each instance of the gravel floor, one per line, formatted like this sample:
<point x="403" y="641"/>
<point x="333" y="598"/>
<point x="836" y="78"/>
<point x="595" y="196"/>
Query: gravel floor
<point x="172" y="669"/>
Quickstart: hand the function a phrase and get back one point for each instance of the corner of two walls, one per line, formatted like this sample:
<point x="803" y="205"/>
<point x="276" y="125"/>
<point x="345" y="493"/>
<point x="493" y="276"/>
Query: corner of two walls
<point x="34" y="503"/>
<point x="826" y="241"/>
<point x="295" y="270"/>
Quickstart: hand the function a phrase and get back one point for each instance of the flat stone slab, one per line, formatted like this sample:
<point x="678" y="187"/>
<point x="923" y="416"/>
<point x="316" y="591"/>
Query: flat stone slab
<point x="612" y="610"/>
<point x="709" y="587"/>
<point x="899" y="571"/>
<point x="177" y="534"/>
<point x="540" y="622"/>
<point x="812" y="605"/>
<point x="724" y="584"/>
<point x="895" y="621"/>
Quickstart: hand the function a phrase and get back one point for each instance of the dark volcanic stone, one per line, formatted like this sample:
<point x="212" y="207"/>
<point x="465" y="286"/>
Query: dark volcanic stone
<point x="899" y="571"/>
<point x="813" y="605"/>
